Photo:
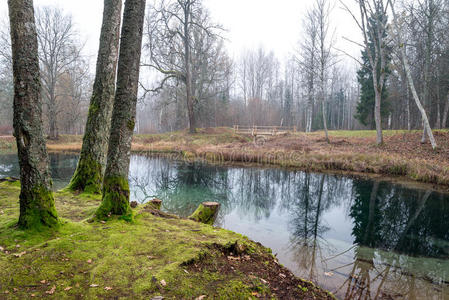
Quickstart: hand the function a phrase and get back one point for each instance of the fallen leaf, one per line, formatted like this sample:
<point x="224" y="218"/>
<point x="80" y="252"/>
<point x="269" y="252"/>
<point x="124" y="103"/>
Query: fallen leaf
<point x="68" y="288"/>
<point x="263" y="280"/>
<point x="108" y="288"/>
<point x="1" y="248"/>
<point x="6" y="292"/>
<point x="163" y="283"/>
<point x="15" y="290"/>
<point x="89" y="261"/>
<point x="187" y="272"/>
<point x="102" y="222"/>
<point x="255" y="294"/>
<point x="43" y="281"/>
<point x="33" y="295"/>
<point x="233" y="258"/>
<point x="200" y="297"/>
<point x="157" y="298"/>
<point x="150" y="257"/>
<point x="20" y="254"/>
<point x="17" y="246"/>
<point x="328" y="274"/>
<point x="282" y="275"/>
<point x="93" y="285"/>
<point x="52" y="290"/>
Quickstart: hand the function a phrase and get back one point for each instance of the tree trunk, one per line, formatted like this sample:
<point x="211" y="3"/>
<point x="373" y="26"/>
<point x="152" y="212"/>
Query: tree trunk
<point x="427" y="128"/>
<point x="37" y="205"/>
<point x="206" y="213"/>
<point x="92" y="163"/>
<point x="115" y="185"/>
<point x="377" y="116"/>
<point x="446" y="111"/>
<point x="189" y="96"/>
<point x="325" y="117"/>
<point x="53" y="134"/>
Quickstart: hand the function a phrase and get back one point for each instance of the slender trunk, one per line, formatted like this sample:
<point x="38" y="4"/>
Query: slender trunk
<point x="325" y="118"/>
<point x="446" y="111"/>
<point x="92" y="163"/>
<point x="427" y="128"/>
<point x="37" y="205"/>
<point x="115" y="185"/>
<point x="409" y="124"/>
<point x="377" y="116"/>
<point x="189" y="96"/>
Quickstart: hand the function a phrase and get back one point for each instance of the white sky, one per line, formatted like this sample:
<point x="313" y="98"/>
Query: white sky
<point x="276" y="25"/>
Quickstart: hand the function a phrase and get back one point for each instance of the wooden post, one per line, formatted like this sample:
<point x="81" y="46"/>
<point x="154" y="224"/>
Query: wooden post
<point x="206" y="213"/>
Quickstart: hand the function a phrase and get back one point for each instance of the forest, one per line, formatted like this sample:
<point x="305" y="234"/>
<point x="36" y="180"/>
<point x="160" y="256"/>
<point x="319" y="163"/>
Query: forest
<point x="177" y="162"/>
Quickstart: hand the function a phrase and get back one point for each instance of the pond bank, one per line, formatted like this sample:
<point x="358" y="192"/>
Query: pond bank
<point x="354" y="152"/>
<point x="171" y="257"/>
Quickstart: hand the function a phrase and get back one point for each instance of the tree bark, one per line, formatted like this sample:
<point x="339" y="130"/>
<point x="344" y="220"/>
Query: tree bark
<point x="36" y="198"/>
<point x="189" y="96"/>
<point x="115" y="185"/>
<point x="446" y="111"/>
<point x="408" y="73"/>
<point x="92" y="163"/>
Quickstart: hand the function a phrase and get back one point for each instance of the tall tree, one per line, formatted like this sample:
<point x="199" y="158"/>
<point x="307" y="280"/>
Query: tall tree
<point x="373" y="24"/>
<point x="365" y="108"/>
<point x="427" y="128"/>
<point x="89" y="172"/>
<point x="37" y="205"/>
<point x="172" y="29"/>
<point x="115" y="185"/>
<point x="58" y="49"/>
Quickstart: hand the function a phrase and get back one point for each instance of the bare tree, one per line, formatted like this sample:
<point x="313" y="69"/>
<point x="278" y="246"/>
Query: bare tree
<point x="89" y="172"/>
<point x="307" y="60"/>
<point x="58" y="49"/>
<point x="115" y="186"/>
<point x="170" y="29"/>
<point x="410" y="79"/>
<point x="373" y="24"/>
<point x="37" y="205"/>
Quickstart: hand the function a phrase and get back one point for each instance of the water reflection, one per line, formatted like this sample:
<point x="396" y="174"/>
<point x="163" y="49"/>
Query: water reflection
<point x="361" y="239"/>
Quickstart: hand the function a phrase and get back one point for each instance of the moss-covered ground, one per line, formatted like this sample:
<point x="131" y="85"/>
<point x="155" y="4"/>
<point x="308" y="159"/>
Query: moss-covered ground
<point x="142" y="259"/>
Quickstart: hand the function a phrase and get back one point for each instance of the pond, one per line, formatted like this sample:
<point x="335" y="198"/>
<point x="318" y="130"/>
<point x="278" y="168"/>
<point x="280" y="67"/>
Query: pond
<point x="357" y="238"/>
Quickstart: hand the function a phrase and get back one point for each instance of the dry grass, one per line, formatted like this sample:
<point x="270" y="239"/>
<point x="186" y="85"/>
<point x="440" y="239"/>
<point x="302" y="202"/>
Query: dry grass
<point x="352" y="151"/>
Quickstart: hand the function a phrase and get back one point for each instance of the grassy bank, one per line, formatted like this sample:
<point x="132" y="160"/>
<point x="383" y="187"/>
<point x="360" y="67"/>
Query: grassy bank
<point x="155" y="255"/>
<point x="349" y="151"/>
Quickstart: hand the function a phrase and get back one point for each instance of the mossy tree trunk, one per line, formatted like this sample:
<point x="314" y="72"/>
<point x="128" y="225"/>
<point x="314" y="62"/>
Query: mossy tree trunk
<point x="36" y="198"/>
<point x="88" y="176"/>
<point x="115" y="185"/>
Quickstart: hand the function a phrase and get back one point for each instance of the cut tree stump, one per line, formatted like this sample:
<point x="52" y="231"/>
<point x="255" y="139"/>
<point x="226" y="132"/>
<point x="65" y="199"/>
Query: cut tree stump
<point x="206" y="213"/>
<point x="155" y="203"/>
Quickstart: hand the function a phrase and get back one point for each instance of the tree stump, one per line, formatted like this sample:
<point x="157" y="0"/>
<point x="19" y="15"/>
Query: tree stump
<point x="155" y="203"/>
<point x="206" y="213"/>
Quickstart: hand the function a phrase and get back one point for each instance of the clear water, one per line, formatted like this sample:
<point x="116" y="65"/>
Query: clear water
<point x="360" y="239"/>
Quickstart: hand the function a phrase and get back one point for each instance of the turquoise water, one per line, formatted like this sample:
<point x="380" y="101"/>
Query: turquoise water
<point x="360" y="239"/>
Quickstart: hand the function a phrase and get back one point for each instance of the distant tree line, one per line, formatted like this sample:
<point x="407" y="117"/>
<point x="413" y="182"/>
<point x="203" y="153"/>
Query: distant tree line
<point x="189" y="80"/>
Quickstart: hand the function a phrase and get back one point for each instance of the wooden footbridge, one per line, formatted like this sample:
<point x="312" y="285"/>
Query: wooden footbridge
<point x="263" y="130"/>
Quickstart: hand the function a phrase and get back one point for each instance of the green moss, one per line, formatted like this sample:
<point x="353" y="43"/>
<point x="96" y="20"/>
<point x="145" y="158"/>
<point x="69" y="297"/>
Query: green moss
<point x="37" y="209"/>
<point x="87" y="177"/>
<point x="115" y="198"/>
<point x="93" y="108"/>
<point x="131" y="124"/>
<point x="129" y="259"/>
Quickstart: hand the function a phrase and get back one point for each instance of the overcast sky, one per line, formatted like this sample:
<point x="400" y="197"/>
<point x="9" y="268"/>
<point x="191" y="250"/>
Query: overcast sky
<point x="276" y="25"/>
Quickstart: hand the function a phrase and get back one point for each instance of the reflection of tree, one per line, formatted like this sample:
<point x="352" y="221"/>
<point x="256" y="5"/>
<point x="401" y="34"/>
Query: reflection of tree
<point x="307" y="227"/>
<point x="393" y="218"/>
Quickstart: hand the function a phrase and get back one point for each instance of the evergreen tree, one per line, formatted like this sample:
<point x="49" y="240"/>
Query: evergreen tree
<point x="365" y="107"/>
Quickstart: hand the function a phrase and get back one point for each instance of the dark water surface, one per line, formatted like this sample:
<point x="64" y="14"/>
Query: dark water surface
<point x="360" y="239"/>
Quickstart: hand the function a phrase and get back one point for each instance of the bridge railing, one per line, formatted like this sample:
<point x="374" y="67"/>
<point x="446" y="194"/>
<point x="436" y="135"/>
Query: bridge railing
<point x="263" y="130"/>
